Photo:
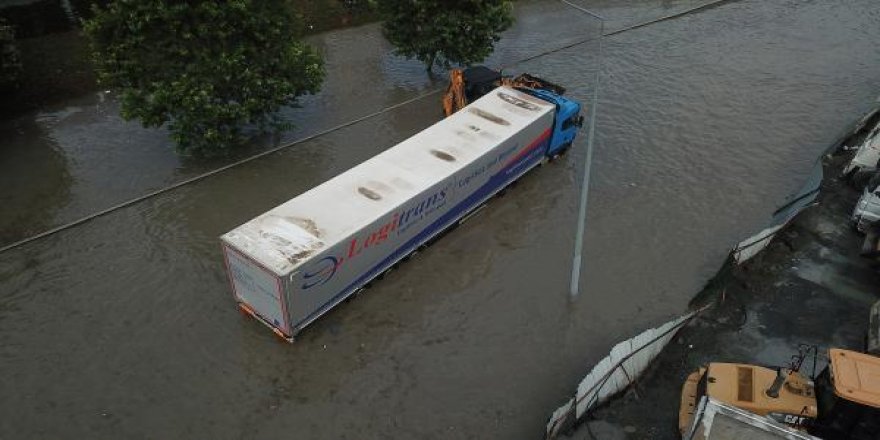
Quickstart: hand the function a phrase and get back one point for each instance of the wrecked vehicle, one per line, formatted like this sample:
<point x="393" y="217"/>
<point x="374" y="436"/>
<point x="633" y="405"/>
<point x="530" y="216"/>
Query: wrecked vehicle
<point x="867" y="209"/>
<point x="864" y="162"/>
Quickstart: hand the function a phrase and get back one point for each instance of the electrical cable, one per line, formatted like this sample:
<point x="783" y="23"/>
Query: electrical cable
<point x="223" y="168"/>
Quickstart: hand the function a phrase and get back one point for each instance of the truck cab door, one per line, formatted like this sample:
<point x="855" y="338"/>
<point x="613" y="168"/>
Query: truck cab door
<point x="566" y="125"/>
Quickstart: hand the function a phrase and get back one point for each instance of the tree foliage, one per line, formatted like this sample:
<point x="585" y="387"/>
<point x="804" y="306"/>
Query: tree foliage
<point x="10" y="63"/>
<point x="206" y="68"/>
<point x="445" y="32"/>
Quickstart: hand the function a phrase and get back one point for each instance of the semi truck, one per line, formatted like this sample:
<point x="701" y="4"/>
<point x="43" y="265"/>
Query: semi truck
<point x="292" y="264"/>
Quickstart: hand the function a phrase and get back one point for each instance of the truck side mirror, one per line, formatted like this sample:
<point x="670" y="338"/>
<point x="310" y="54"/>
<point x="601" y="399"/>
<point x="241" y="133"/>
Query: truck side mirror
<point x="580" y="122"/>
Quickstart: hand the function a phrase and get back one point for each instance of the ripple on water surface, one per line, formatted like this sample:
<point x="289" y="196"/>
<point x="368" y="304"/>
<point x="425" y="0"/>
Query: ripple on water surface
<point x="126" y="325"/>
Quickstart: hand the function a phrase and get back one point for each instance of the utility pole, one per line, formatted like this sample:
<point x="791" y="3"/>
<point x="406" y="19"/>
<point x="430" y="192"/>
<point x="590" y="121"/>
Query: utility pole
<point x="588" y="162"/>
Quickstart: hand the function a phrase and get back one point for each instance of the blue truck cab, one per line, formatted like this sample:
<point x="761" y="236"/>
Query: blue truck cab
<point x="566" y="123"/>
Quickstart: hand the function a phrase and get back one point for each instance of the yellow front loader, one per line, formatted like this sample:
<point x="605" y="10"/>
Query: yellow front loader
<point x="842" y="402"/>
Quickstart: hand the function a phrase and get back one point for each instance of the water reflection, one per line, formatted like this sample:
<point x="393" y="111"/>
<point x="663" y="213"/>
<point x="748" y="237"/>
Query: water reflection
<point x="706" y="124"/>
<point x="34" y="177"/>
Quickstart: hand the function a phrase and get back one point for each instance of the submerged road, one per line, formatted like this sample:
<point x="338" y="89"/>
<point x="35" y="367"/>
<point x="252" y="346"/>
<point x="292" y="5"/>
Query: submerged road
<point x="125" y="326"/>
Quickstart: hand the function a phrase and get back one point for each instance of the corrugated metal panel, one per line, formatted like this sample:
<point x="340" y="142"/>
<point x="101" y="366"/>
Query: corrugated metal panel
<point x="615" y="372"/>
<point x="751" y="246"/>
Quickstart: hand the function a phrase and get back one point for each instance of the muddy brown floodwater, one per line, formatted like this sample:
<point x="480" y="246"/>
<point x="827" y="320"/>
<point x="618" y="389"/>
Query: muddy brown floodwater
<point x="125" y="327"/>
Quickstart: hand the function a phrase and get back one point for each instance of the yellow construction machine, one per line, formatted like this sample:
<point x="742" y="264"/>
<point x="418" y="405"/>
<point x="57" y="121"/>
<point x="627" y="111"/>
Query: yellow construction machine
<point x="842" y="402"/>
<point x="468" y="85"/>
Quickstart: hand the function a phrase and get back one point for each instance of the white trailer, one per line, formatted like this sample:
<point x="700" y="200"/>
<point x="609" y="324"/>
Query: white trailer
<point x="292" y="264"/>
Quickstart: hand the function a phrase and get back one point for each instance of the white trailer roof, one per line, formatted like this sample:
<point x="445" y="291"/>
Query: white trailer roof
<point x="288" y="235"/>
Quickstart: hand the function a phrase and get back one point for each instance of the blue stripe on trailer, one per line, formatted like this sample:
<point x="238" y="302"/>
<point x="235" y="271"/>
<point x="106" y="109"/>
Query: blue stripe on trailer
<point x="523" y="161"/>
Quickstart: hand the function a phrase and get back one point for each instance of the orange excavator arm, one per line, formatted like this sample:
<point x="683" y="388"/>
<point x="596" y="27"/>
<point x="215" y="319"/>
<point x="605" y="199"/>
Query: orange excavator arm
<point x="454" y="99"/>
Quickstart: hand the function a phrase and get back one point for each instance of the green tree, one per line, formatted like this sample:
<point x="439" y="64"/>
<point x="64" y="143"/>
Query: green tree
<point x="10" y="63"/>
<point x="445" y="32"/>
<point x="206" y="68"/>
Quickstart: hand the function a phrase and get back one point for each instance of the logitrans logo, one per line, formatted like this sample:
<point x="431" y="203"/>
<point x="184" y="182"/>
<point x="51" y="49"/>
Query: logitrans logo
<point x="324" y="269"/>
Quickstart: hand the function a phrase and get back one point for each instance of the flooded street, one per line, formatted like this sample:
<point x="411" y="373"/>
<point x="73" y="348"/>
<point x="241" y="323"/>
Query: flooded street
<point x="125" y="327"/>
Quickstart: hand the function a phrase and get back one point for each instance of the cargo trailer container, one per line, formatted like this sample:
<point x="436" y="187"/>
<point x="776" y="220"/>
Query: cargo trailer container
<point x="292" y="264"/>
